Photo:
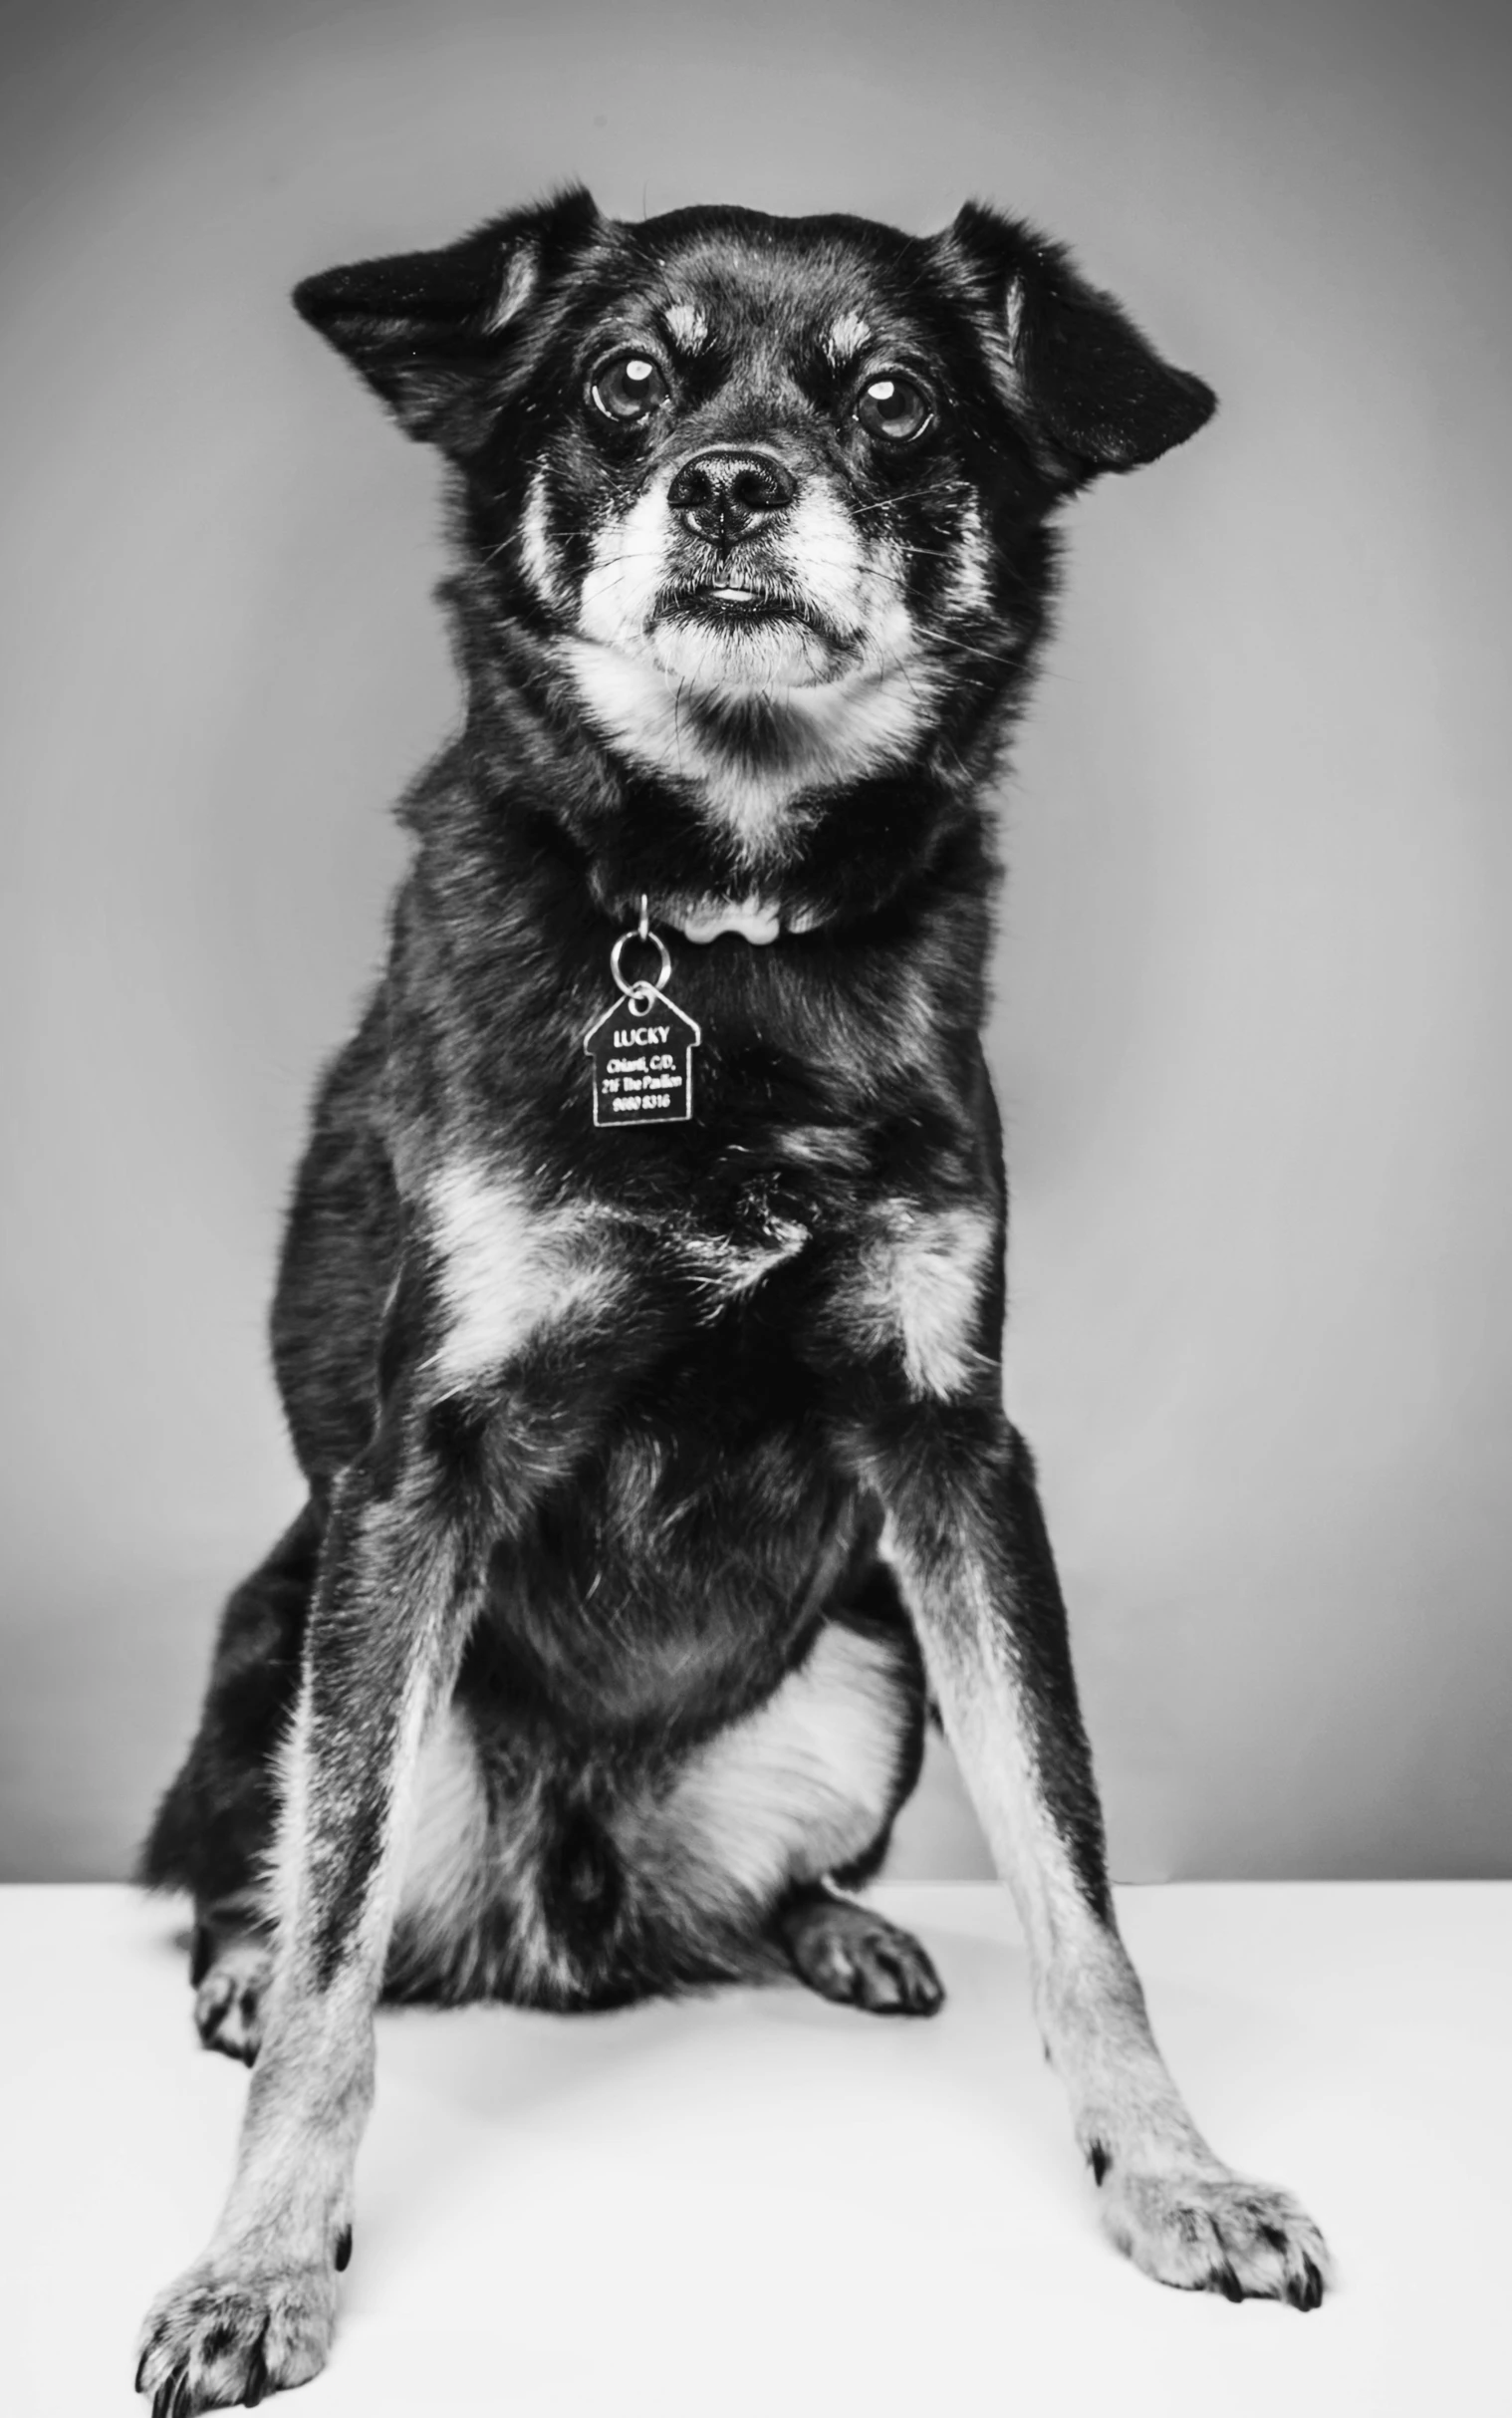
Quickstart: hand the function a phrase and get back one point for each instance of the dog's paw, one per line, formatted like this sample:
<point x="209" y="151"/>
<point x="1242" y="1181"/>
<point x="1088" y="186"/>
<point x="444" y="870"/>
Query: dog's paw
<point x="1214" y="2233"/>
<point x="848" y="1953"/>
<point x="229" y="2334"/>
<point x="228" y="1999"/>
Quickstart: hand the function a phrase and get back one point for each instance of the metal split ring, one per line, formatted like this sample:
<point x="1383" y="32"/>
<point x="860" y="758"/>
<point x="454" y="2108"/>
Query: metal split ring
<point x="631" y="989"/>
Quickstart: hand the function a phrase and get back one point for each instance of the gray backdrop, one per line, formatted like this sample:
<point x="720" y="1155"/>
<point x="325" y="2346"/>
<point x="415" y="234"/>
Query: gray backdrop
<point x="1254" y="990"/>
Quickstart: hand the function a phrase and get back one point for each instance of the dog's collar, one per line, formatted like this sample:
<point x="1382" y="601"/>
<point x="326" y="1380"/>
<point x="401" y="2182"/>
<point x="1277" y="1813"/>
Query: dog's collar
<point x="755" y="918"/>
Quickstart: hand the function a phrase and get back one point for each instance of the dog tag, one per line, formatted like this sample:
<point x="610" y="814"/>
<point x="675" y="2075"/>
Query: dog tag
<point x="643" y="1047"/>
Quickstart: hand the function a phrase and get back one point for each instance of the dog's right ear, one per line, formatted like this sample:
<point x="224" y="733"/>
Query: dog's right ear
<point x="427" y="328"/>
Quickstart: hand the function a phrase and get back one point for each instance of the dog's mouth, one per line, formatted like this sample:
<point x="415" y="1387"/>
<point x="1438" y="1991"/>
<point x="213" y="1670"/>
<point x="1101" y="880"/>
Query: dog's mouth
<point x="719" y="603"/>
<point x="733" y="629"/>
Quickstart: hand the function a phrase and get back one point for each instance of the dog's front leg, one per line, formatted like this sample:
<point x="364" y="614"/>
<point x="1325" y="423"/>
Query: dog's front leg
<point x="966" y="1534"/>
<point x="400" y="1578"/>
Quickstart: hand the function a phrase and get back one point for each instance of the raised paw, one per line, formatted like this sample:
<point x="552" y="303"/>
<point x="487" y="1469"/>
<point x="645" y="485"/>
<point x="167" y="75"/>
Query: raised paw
<point x="1214" y="2233"/>
<point x="847" y="1952"/>
<point x="228" y="1998"/>
<point x="224" y="2336"/>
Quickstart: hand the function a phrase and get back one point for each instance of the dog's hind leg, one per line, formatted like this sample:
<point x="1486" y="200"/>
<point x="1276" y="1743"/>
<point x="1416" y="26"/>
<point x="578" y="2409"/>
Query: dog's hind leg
<point x="214" y="1826"/>
<point x="231" y="1964"/>
<point x="772" y="1811"/>
<point x="844" y="1951"/>
<point x="212" y="1834"/>
<point x="854" y="1955"/>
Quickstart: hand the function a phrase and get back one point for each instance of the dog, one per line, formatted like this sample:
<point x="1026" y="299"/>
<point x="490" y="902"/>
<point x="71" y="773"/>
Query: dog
<point x="639" y="1314"/>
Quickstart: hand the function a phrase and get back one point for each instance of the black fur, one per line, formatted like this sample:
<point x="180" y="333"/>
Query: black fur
<point x="213" y="1825"/>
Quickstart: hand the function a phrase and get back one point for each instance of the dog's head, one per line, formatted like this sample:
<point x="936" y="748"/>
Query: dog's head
<point x="771" y="493"/>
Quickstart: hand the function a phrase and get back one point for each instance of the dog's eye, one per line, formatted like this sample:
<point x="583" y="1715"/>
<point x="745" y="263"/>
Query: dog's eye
<point x="628" y="388"/>
<point x="895" y="407"/>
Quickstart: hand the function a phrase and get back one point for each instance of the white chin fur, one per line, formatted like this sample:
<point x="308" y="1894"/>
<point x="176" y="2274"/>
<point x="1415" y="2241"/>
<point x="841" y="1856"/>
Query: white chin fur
<point x="743" y="655"/>
<point x="837" y="732"/>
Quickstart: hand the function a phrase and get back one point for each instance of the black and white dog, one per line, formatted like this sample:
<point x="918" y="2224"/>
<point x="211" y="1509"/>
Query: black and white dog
<point x="639" y="1317"/>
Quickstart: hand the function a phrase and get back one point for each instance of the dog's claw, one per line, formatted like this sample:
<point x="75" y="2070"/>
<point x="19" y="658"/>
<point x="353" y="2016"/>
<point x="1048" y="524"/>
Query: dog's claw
<point x="257" y="2372"/>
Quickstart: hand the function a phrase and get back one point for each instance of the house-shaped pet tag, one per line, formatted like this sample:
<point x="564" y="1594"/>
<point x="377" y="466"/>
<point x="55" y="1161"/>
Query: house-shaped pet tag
<point x="643" y="1047"/>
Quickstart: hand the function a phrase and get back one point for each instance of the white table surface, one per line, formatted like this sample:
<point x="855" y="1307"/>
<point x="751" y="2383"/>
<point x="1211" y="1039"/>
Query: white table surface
<point x="757" y="2201"/>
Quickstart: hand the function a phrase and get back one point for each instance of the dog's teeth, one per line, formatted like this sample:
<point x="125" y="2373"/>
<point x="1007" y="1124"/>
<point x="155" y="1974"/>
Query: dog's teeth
<point x="734" y="596"/>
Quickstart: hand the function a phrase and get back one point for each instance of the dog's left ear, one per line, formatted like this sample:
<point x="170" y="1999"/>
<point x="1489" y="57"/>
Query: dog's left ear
<point x="1098" y="388"/>
<point x="429" y="331"/>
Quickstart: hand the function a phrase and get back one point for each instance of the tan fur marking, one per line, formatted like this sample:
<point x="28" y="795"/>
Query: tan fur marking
<point x="970" y="587"/>
<point x="444" y="1863"/>
<point x="535" y="547"/>
<point x="517" y="287"/>
<point x="462" y="1860"/>
<point x="722" y="1267"/>
<point x="686" y="326"/>
<point x="848" y="336"/>
<point x="799" y="1786"/>
<point x="1013" y="313"/>
<point x="918" y="1284"/>
<point x="506" y="1267"/>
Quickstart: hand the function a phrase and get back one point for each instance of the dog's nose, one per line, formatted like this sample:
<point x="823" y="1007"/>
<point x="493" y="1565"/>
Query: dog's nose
<point x="728" y="492"/>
